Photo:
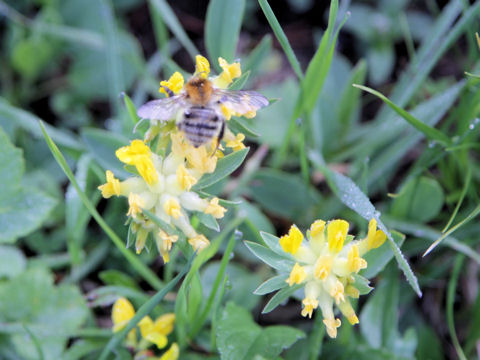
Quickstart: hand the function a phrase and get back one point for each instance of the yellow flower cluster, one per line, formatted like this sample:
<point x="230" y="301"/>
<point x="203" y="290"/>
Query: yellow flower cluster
<point x="152" y="332"/>
<point x="164" y="188"/>
<point x="164" y="182"/>
<point x="325" y="265"/>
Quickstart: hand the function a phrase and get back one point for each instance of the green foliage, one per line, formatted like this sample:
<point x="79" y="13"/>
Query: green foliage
<point x="371" y="115"/>
<point x="239" y="337"/>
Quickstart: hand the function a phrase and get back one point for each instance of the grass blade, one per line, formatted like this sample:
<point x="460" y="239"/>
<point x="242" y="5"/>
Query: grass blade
<point x="430" y="132"/>
<point x="170" y="19"/>
<point x="142" y="269"/>
<point x="281" y="37"/>
<point x="452" y="285"/>
<point x="144" y="310"/>
<point x="469" y="217"/>
<point x="460" y="200"/>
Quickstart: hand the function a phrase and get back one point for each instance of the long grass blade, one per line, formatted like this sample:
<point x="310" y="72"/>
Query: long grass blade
<point x="140" y="267"/>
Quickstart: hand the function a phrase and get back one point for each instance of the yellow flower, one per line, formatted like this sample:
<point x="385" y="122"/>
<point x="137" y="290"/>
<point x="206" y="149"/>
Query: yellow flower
<point x="297" y="275"/>
<point x="227" y="112"/>
<point x="171" y="354"/>
<point x="337" y="233"/>
<point x="354" y="262"/>
<point x="202" y="67"/>
<point x="323" y="266"/>
<point x="375" y="238"/>
<point x="140" y="155"/>
<point x="214" y="209"/>
<point x="122" y="313"/>
<point x="172" y="208"/>
<point x="164" y="323"/>
<point x="199" y="242"/>
<point x="175" y="84"/>
<point x="291" y="242"/>
<point x="201" y="160"/>
<point x="111" y="187"/>
<point x="184" y="179"/>
<point x="148" y="331"/>
<point x="337" y="291"/>
<point x="332" y="325"/>
<point x="135" y="203"/>
<point x="309" y="304"/>
<point x="237" y="143"/>
<point x="230" y="71"/>
<point x="317" y="228"/>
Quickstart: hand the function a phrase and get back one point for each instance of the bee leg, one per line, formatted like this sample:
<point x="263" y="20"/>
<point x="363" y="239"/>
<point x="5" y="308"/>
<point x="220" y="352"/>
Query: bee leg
<point x="219" y="137"/>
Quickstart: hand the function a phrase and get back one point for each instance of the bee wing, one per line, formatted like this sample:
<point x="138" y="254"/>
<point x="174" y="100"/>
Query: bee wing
<point x="162" y="109"/>
<point x="241" y="101"/>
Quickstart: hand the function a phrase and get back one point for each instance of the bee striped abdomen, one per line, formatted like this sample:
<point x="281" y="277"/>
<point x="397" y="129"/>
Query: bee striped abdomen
<point x="200" y="125"/>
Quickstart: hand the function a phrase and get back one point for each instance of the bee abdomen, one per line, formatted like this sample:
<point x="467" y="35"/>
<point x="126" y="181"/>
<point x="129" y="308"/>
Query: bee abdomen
<point x="200" y="125"/>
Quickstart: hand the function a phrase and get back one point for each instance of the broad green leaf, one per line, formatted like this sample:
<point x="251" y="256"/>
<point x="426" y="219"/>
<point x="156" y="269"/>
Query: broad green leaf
<point x="420" y="199"/>
<point x="23" y="208"/>
<point x="238" y="125"/>
<point x="268" y="189"/>
<point x="381" y="59"/>
<point x="12" y="261"/>
<point x="225" y="166"/>
<point x="281" y="263"/>
<point x="222" y="28"/>
<point x="272" y="284"/>
<point x="351" y="195"/>
<point x="49" y="312"/>
<point x="239" y="83"/>
<point x="430" y="132"/>
<point x="239" y="338"/>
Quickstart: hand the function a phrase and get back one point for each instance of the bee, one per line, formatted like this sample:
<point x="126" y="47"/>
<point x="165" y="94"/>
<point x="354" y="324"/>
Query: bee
<point x="200" y="101"/>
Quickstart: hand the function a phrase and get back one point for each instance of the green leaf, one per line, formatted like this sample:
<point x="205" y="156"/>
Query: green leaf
<point x="281" y="263"/>
<point x="12" y="261"/>
<point x="272" y="284"/>
<point x="117" y="278"/>
<point x="238" y="125"/>
<point x="381" y="59"/>
<point x="239" y="338"/>
<point x="280" y="297"/>
<point x="222" y="28"/>
<point x="225" y="166"/>
<point x="49" y="312"/>
<point x="420" y="199"/>
<point x="273" y="242"/>
<point x="268" y="189"/>
<point x="430" y="132"/>
<point x="318" y="67"/>
<point x="362" y="284"/>
<point x="208" y="220"/>
<point x="132" y="111"/>
<point x="351" y="195"/>
<point x="23" y="208"/>
<point x="281" y="37"/>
